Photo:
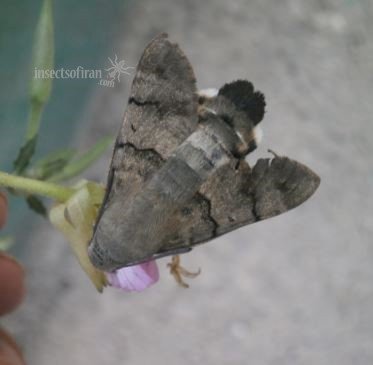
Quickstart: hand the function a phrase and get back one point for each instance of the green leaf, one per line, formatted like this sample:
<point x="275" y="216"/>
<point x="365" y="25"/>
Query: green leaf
<point x="76" y="166"/>
<point x="36" y="205"/>
<point x="51" y="164"/>
<point x="42" y="60"/>
<point x="24" y="155"/>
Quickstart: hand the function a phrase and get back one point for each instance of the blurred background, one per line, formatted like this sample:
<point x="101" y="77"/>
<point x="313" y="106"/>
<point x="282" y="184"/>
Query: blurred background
<point x="296" y="289"/>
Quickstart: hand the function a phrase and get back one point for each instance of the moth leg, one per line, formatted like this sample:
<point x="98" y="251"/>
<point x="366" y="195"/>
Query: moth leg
<point x="178" y="272"/>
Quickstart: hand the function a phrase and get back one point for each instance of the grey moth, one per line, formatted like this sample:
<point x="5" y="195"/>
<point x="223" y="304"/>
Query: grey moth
<point x="178" y="176"/>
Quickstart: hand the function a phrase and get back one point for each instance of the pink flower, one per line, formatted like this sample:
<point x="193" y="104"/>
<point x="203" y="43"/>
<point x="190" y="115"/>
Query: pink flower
<point x="134" y="278"/>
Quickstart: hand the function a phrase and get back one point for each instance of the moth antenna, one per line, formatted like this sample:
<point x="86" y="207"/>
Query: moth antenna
<point x="273" y="153"/>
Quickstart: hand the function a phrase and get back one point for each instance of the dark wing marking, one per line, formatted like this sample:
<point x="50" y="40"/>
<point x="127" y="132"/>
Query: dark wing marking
<point x="237" y="195"/>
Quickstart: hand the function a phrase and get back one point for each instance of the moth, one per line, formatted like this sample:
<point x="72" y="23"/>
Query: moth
<point x="178" y="175"/>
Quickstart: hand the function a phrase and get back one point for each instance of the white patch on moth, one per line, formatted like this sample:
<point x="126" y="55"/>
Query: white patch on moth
<point x="208" y="93"/>
<point x="240" y="136"/>
<point x="210" y="110"/>
<point x="258" y="134"/>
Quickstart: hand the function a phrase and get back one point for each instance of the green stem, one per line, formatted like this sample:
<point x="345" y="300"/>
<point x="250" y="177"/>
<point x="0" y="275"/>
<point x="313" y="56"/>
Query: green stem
<point x="32" y="186"/>
<point x="33" y="126"/>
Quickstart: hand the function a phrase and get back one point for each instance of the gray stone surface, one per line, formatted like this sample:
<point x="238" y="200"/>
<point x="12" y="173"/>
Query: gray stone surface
<point x="296" y="289"/>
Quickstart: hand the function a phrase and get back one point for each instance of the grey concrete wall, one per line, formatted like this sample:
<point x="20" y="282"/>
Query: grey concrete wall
<point x="296" y="289"/>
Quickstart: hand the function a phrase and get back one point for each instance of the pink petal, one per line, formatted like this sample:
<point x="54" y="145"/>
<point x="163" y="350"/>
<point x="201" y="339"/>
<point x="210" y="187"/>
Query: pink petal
<point x="134" y="278"/>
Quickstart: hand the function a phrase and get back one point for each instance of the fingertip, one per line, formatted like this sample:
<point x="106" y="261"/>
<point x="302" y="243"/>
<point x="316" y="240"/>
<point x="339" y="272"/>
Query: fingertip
<point x="12" y="283"/>
<point x="3" y="209"/>
<point x="10" y="353"/>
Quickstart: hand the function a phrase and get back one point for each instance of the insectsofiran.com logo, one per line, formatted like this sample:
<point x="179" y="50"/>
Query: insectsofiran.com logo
<point x="113" y="72"/>
<point x="62" y="73"/>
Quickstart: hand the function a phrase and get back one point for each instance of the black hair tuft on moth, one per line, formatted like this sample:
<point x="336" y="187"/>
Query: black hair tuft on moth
<point x="241" y="93"/>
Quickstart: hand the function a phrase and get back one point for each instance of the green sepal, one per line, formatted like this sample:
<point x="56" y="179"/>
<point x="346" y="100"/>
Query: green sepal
<point x="36" y="205"/>
<point x="51" y="164"/>
<point x="24" y="156"/>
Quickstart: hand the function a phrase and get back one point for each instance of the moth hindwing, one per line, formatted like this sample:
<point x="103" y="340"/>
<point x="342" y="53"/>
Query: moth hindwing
<point x="178" y="175"/>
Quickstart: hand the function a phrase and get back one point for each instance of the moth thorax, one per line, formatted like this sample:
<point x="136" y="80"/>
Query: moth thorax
<point x="240" y="128"/>
<point x="223" y="134"/>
